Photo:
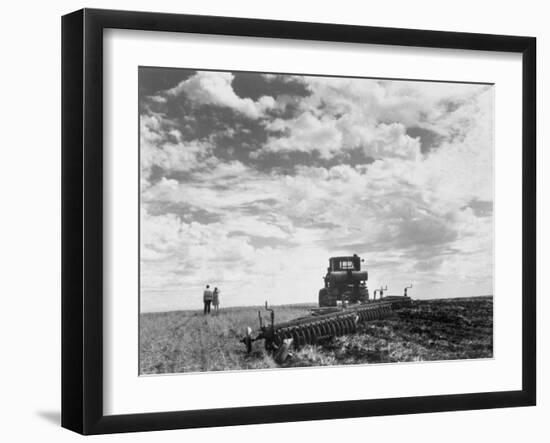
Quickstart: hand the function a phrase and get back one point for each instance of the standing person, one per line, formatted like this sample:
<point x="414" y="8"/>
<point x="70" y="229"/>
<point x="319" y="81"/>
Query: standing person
<point x="216" y="299"/>
<point x="207" y="298"/>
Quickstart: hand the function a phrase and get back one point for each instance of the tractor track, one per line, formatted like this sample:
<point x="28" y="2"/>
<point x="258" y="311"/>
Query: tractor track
<point x="180" y="334"/>
<point x="203" y="346"/>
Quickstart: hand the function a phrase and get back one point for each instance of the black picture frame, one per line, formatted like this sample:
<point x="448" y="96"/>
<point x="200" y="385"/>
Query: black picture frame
<point x="82" y="218"/>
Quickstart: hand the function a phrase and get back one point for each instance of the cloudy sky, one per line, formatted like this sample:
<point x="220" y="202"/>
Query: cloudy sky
<point x="250" y="182"/>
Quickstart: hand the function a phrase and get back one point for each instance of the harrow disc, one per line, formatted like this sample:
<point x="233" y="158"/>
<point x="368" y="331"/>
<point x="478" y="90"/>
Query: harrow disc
<point x="332" y="328"/>
<point x="344" y="326"/>
<point x="338" y="328"/>
<point x="307" y="333"/>
<point x="316" y="332"/>
<point x="295" y="337"/>
<point x="302" y="336"/>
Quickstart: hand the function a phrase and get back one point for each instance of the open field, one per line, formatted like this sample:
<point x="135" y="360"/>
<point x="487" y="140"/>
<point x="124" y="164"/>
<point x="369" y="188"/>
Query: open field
<point x="445" y="329"/>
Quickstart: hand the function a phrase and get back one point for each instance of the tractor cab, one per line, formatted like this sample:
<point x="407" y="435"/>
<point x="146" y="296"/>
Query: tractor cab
<point x="347" y="263"/>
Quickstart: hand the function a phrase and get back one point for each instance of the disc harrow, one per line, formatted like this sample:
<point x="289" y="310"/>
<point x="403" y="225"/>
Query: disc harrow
<point x="320" y="326"/>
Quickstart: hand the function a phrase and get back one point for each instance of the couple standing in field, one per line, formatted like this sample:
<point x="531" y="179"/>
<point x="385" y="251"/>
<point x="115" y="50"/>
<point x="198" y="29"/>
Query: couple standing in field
<point x="211" y="298"/>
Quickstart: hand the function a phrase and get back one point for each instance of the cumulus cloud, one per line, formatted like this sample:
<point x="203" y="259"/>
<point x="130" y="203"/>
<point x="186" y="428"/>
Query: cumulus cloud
<point x="306" y="133"/>
<point x="162" y="146"/>
<point x="329" y="137"/>
<point x="345" y="114"/>
<point x="214" y="88"/>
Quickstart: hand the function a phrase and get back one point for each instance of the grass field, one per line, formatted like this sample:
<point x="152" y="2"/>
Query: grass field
<point x="446" y="329"/>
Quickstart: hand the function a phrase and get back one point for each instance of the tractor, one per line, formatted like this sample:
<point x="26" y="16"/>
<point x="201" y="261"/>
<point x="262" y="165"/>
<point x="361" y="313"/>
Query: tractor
<point x="344" y="282"/>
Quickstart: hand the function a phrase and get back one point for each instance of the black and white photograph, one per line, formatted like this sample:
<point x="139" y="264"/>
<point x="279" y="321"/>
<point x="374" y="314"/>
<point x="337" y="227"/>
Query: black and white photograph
<point x="294" y="220"/>
<point x="275" y="221"/>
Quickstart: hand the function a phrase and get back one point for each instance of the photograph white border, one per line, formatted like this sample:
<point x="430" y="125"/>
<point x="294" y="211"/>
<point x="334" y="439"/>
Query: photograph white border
<point x="125" y="392"/>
